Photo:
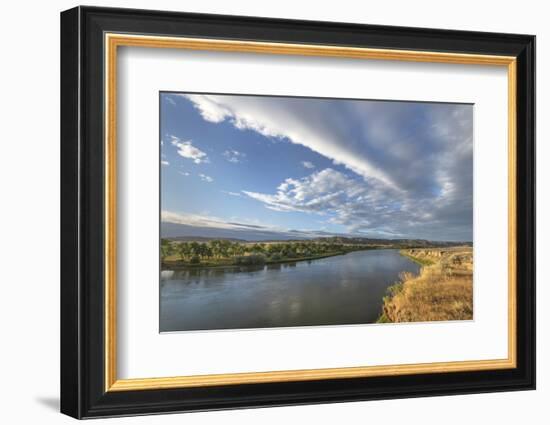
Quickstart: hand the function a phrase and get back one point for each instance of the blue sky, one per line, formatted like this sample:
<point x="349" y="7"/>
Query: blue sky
<point x="371" y="168"/>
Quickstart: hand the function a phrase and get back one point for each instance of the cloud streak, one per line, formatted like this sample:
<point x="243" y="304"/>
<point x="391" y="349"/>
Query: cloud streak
<point x="292" y="119"/>
<point x="215" y="226"/>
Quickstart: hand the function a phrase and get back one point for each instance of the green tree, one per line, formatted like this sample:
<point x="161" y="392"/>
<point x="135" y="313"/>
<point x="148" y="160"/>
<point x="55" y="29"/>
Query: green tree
<point x="183" y="250"/>
<point x="166" y="248"/>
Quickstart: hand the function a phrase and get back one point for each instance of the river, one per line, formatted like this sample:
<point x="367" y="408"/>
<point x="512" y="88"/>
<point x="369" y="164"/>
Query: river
<point x="345" y="289"/>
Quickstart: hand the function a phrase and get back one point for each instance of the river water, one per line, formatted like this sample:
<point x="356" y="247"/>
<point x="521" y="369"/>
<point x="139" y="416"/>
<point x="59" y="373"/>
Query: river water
<point x="345" y="289"/>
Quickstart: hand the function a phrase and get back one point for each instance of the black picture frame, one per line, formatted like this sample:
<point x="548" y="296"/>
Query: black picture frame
<point x="83" y="392"/>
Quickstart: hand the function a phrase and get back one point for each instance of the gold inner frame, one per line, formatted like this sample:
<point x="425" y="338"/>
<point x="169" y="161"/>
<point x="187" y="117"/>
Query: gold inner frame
<point x="113" y="41"/>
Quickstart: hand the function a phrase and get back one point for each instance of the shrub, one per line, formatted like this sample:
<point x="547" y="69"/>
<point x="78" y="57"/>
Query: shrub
<point x="195" y="259"/>
<point x="250" y="260"/>
<point x="276" y="257"/>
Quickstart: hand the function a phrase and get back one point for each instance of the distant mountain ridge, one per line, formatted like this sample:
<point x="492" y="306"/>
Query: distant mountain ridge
<point x="404" y="242"/>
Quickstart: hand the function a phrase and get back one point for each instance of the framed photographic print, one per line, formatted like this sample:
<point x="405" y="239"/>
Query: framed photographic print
<point x="261" y="212"/>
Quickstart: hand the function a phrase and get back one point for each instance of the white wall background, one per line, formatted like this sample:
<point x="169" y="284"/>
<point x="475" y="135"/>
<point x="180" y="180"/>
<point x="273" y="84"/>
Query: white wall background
<point x="29" y="224"/>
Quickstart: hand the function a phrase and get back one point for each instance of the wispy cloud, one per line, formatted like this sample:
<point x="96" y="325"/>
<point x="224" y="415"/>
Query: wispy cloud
<point x="209" y="221"/>
<point x="206" y="178"/>
<point x="184" y="173"/>
<point x="234" y="156"/>
<point x="259" y="231"/>
<point x="231" y="193"/>
<point x="187" y="150"/>
<point x="164" y="162"/>
<point x="308" y="164"/>
<point x="195" y="220"/>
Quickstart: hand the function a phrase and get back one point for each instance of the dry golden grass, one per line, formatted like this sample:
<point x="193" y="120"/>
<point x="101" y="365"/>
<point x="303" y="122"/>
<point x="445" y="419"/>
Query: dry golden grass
<point x="442" y="291"/>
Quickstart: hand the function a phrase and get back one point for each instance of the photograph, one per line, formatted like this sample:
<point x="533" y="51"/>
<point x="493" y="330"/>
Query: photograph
<point x="285" y="210"/>
<point x="280" y="211"/>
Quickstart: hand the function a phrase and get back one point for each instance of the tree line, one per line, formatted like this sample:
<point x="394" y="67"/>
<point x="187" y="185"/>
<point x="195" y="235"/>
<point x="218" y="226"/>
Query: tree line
<point x="221" y="249"/>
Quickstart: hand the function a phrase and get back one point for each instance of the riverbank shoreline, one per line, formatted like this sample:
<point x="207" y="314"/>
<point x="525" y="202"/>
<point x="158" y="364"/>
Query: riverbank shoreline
<point x="443" y="290"/>
<point x="176" y="266"/>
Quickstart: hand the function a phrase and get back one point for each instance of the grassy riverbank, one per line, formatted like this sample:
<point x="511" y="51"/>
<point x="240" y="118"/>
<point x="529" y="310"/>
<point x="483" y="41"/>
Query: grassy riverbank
<point x="417" y="260"/>
<point x="443" y="290"/>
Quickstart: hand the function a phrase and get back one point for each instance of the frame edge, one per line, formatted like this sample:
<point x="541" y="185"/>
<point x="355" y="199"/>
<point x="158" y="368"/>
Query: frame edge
<point x="526" y="181"/>
<point x="70" y="349"/>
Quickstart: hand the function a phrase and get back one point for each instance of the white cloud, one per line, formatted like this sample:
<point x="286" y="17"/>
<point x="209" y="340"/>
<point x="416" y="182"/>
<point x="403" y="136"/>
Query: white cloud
<point x="209" y="107"/>
<point x="206" y="178"/>
<point x="234" y="156"/>
<point x="321" y="192"/>
<point x="308" y="164"/>
<point x="184" y="173"/>
<point x="164" y="162"/>
<point x="187" y="150"/>
<point x="292" y="119"/>
<point x="170" y="100"/>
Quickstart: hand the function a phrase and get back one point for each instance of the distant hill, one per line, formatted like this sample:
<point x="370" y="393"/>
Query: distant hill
<point x="248" y="233"/>
<point x="404" y="242"/>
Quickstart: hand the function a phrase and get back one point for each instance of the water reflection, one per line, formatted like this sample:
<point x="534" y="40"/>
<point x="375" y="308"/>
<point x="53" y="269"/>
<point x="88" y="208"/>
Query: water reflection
<point x="337" y="290"/>
<point x="167" y="274"/>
